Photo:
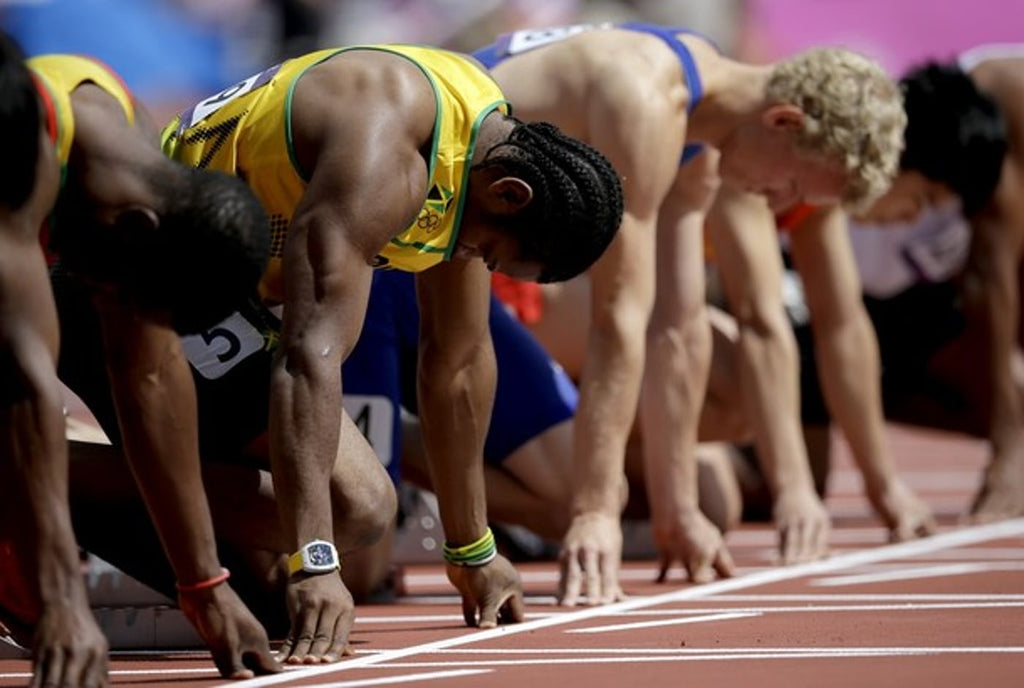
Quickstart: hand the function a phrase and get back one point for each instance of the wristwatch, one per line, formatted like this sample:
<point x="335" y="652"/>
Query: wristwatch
<point x="316" y="556"/>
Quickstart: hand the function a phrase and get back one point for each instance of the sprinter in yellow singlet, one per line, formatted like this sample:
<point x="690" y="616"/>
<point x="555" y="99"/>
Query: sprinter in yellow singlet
<point x="400" y="157"/>
<point x="125" y="222"/>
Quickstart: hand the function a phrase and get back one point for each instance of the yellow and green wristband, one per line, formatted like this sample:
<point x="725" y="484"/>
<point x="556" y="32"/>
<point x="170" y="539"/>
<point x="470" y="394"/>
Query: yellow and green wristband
<point x="476" y="553"/>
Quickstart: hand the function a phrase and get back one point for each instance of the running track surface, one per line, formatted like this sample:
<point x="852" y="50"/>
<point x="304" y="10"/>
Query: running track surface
<point x="944" y="611"/>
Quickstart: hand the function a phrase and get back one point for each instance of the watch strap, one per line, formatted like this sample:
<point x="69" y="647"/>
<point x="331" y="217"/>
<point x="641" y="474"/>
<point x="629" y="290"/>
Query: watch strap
<point x="295" y="563"/>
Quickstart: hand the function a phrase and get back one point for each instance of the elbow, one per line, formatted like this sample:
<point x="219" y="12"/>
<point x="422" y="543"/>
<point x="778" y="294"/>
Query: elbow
<point x="306" y="360"/>
<point x="26" y="378"/>
<point x="684" y="332"/>
<point x="624" y="325"/>
<point x="764" y="324"/>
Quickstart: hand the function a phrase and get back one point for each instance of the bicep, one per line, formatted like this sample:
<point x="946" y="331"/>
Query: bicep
<point x="620" y="125"/>
<point x="679" y="256"/>
<point x="346" y="216"/>
<point x="28" y="316"/>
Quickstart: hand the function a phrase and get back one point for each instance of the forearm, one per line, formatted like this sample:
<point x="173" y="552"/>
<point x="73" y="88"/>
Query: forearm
<point x="769" y="374"/>
<point x="609" y="393"/>
<point x="1005" y="413"/>
<point x="675" y="380"/>
<point x="455" y="401"/>
<point x="991" y="304"/>
<point x="35" y="443"/>
<point x="850" y="375"/>
<point x="305" y="426"/>
<point x="162" y="449"/>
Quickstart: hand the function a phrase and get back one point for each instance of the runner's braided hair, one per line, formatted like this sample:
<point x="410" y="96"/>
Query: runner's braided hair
<point x="577" y="198"/>
<point x="19" y="126"/>
<point x="956" y="133"/>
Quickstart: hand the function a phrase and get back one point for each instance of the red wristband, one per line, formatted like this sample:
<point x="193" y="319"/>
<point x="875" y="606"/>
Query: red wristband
<point x="205" y="584"/>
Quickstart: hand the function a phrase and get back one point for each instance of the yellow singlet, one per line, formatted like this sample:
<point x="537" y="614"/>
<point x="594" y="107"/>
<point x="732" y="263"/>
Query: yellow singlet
<point x="56" y="77"/>
<point x="245" y="130"/>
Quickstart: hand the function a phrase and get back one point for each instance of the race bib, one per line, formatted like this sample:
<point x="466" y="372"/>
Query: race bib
<point x="375" y="418"/>
<point x="216" y="351"/>
<point x="523" y="41"/>
<point x="204" y="108"/>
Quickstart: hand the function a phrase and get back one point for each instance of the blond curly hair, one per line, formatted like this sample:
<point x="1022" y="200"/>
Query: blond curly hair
<point x="853" y="111"/>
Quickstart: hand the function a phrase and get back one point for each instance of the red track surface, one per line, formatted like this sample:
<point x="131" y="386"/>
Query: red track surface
<point x="945" y="611"/>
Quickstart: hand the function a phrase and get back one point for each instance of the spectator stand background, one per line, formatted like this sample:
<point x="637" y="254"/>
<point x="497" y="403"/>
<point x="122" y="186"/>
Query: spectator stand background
<point x="898" y="33"/>
<point x="174" y="52"/>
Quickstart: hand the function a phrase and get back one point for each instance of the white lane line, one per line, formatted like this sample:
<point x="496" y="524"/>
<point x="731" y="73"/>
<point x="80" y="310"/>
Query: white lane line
<point x="844" y="650"/>
<point x="858" y="597"/>
<point x="902" y="602"/>
<point x="957" y="538"/>
<point x="712" y="655"/>
<point x="663" y="622"/>
<point x="618" y="655"/>
<point x="917" y="572"/>
<point x="815" y="608"/>
<point x="405" y="678"/>
<point x="979" y="553"/>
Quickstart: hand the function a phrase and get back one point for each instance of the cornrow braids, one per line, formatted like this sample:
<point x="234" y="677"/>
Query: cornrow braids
<point x="577" y="198"/>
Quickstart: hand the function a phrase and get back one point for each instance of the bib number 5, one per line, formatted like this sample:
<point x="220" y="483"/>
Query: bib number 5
<point x="216" y="351"/>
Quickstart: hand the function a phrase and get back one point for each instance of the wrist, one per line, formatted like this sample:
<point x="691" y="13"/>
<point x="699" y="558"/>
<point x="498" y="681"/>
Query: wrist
<point x="608" y="502"/>
<point x="477" y="553"/>
<point x="204" y="584"/>
<point x="314" y="558"/>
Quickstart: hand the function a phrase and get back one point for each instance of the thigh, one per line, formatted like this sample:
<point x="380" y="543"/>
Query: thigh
<point x="376" y="375"/>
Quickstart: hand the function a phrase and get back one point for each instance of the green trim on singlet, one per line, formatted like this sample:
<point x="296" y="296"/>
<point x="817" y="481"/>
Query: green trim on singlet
<point x="289" y="143"/>
<point x="418" y="245"/>
<point x="457" y="222"/>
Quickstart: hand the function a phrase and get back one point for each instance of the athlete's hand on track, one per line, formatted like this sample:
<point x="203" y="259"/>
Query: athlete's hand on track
<point x="321" y="611"/>
<point x="69" y="648"/>
<point x="491" y="593"/>
<point x="803" y="525"/>
<point x="236" y="639"/>
<point x="591" y="550"/>
<point x="906" y="515"/>
<point x="692" y="539"/>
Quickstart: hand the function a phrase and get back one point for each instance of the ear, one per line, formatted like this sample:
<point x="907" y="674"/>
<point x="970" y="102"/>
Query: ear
<point x="509" y="195"/>
<point x="784" y="117"/>
<point x="136" y="219"/>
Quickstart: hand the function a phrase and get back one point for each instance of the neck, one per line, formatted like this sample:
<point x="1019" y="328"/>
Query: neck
<point x="734" y="93"/>
<point x="493" y="130"/>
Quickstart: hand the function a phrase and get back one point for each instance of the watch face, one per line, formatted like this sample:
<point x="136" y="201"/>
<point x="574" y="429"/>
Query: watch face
<point x="320" y="554"/>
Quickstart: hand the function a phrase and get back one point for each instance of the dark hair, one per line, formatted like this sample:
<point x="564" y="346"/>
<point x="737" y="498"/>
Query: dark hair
<point x="200" y="264"/>
<point x="210" y="251"/>
<point x="955" y="133"/>
<point x="577" y="198"/>
<point x="19" y="126"/>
